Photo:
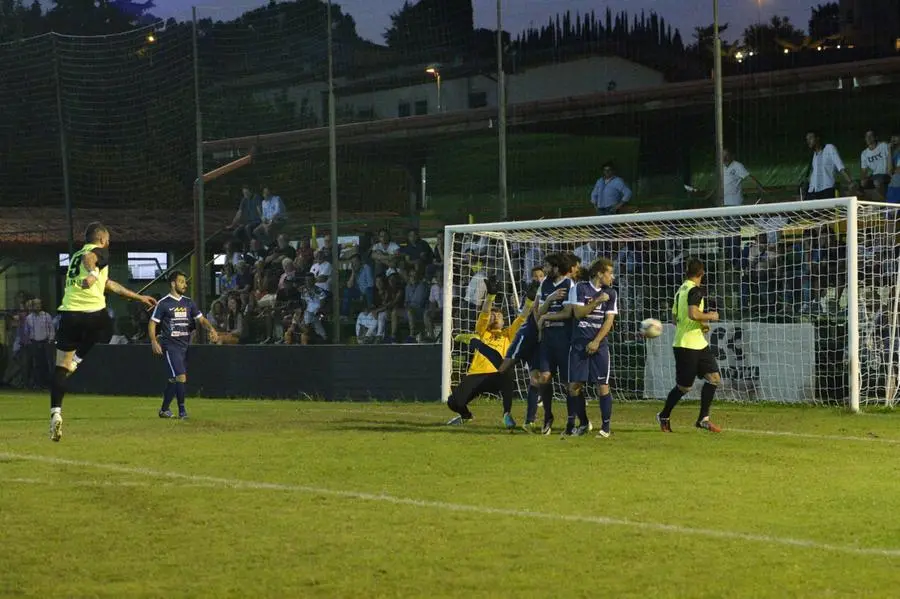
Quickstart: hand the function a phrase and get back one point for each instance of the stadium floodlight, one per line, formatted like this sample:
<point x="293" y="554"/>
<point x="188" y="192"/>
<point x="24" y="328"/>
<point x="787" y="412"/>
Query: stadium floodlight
<point x="809" y="294"/>
<point x="435" y="71"/>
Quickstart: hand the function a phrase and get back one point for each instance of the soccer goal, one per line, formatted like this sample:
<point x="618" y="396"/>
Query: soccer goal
<point x="808" y="294"/>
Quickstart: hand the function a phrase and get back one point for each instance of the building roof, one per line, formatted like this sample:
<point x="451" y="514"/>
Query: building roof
<point x="47" y="226"/>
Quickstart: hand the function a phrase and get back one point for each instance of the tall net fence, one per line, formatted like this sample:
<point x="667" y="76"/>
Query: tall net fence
<point x="778" y="277"/>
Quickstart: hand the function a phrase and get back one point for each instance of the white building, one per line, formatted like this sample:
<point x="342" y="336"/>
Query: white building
<point x="411" y="92"/>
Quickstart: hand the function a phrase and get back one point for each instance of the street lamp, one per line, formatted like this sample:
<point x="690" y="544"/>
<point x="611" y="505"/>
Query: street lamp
<point x="433" y="70"/>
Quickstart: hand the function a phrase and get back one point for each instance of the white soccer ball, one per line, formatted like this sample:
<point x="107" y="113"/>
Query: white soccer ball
<point x="651" y="328"/>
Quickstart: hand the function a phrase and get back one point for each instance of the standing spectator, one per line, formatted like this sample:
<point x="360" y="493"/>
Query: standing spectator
<point x="733" y="175"/>
<point x="322" y="270"/>
<point x="825" y="162"/>
<point x="435" y="310"/>
<point x="281" y="250"/>
<point x="610" y="192"/>
<point x="273" y="216"/>
<point x="875" y="165"/>
<point x="384" y="253"/>
<point x="416" y="252"/>
<point x="248" y="216"/>
<point x="40" y="333"/>
<point x="415" y="300"/>
<point x="360" y="285"/>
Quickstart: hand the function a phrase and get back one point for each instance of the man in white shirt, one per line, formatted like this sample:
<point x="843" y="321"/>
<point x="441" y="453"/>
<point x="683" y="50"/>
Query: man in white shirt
<point x="733" y="175"/>
<point x="875" y="164"/>
<point x="39" y="334"/>
<point x="321" y="270"/>
<point x="825" y="162"/>
<point x="385" y="254"/>
<point x="273" y="217"/>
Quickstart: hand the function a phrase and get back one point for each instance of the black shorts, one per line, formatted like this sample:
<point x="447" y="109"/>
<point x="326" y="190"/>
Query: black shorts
<point x="82" y="330"/>
<point x="692" y="364"/>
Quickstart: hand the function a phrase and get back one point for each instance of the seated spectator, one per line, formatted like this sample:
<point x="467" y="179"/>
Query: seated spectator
<point x="273" y="217"/>
<point x="385" y="254"/>
<point x="370" y="324"/>
<point x="296" y="332"/>
<point x="305" y="255"/>
<point x="216" y="315"/>
<point x="244" y="277"/>
<point x="396" y="295"/>
<point x="227" y="280"/>
<point x="415" y="300"/>
<point x="280" y="251"/>
<point x="248" y="216"/>
<point x="256" y="253"/>
<point x="321" y="270"/>
<point x="289" y="271"/>
<point x="233" y="252"/>
<point x="326" y="247"/>
<point x="416" y="252"/>
<point x="315" y="299"/>
<point x="360" y="285"/>
<point x="233" y="325"/>
<point x="435" y="310"/>
<point x="437" y="264"/>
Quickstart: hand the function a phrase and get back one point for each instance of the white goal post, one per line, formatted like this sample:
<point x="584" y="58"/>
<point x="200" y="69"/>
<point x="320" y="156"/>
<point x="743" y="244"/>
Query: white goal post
<point x="808" y="294"/>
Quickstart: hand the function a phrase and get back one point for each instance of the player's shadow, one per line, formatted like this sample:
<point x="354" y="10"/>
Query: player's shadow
<point x="408" y="426"/>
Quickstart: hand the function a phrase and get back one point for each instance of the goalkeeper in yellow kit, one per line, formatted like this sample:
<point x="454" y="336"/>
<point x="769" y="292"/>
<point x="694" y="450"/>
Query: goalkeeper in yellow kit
<point x="490" y="342"/>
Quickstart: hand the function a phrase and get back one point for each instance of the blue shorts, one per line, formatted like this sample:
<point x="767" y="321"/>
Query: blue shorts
<point x="554" y="354"/>
<point x="892" y="195"/>
<point x="524" y="348"/>
<point x="589" y="368"/>
<point x="175" y="359"/>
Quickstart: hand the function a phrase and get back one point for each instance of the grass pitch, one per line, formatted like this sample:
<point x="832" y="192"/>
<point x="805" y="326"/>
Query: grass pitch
<point x="304" y="499"/>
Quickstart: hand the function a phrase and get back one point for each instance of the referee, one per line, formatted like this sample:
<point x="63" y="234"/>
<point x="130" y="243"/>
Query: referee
<point x="693" y="358"/>
<point x="83" y="319"/>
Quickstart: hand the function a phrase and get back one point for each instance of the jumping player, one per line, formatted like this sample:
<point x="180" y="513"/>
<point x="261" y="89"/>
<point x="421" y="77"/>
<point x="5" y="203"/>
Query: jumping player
<point x="490" y="341"/>
<point x="693" y="359"/>
<point x="176" y="315"/>
<point x="83" y="319"/>
<point x="554" y="334"/>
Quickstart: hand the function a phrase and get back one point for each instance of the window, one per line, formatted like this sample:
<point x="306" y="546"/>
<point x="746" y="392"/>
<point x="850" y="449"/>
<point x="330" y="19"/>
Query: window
<point x="64" y="260"/>
<point x="144" y="266"/>
<point x="477" y="99"/>
<point x="367" y="113"/>
<point x="403" y="109"/>
<point x="421" y="107"/>
<point x="219" y="259"/>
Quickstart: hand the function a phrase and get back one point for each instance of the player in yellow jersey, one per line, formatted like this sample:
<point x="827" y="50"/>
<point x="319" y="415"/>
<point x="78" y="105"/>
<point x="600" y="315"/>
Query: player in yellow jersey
<point x="693" y="358"/>
<point x="83" y="319"/>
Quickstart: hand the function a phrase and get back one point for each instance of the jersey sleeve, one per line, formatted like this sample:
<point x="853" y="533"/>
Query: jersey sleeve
<point x="102" y="257"/>
<point x="156" y="316"/>
<point x="195" y="312"/>
<point x="573" y="296"/>
<point x="612" y="304"/>
<point x="695" y="296"/>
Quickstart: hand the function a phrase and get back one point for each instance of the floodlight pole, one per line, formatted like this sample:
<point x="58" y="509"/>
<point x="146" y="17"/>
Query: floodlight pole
<point x="332" y="172"/>
<point x="199" y="262"/>
<point x="720" y="134"/>
<point x="63" y="149"/>
<point x="501" y="115"/>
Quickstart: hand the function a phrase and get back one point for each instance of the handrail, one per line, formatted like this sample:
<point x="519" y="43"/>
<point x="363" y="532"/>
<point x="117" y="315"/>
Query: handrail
<point x="167" y="271"/>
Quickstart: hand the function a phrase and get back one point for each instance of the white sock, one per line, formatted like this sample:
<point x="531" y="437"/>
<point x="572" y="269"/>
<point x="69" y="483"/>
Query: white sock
<point x="55" y="411"/>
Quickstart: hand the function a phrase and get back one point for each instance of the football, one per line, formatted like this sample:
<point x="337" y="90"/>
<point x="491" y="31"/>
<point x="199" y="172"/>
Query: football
<point x="650" y="328"/>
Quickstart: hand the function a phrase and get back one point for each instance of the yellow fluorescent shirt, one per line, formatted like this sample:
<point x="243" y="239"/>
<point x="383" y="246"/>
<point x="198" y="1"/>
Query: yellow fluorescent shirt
<point x="498" y="341"/>
<point x="92" y="299"/>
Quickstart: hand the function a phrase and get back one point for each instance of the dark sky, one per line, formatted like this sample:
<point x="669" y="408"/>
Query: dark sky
<point x="372" y="16"/>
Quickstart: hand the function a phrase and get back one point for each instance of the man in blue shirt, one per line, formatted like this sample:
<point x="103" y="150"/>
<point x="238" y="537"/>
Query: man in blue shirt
<point x="176" y="316"/>
<point x="610" y="193"/>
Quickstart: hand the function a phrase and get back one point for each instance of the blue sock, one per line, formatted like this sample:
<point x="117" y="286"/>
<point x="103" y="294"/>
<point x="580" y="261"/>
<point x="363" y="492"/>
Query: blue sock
<point x="531" y="404"/>
<point x="179" y="393"/>
<point x="606" y="410"/>
<point x="571" y="409"/>
<point x="581" y="409"/>
<point x="168" y="395"/>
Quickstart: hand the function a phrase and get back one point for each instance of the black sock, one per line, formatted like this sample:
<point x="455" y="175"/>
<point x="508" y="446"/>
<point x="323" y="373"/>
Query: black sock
<point x="706" y="398"/>
<point x="168" y="395"/>
<point x="531" y="406"/>
<point x="605" y="411"/>
<point x="675" y="396"/>
<point x="179" y="395"/>
<point x="546" y="391"/>
<point x="571" y="409"/>
<point x="581" y="408"/>
<point x="58" y="387"/>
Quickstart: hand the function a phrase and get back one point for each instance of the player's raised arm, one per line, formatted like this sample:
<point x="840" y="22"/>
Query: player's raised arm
<point x="114" y="287"/>
<point x="90" y="262"/>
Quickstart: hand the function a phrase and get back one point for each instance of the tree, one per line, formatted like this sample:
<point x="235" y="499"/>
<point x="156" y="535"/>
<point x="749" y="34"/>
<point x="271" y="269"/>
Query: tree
<point x="825" y="21"/>
<point x="432" y="29"/>
<point x="769" y="38"/>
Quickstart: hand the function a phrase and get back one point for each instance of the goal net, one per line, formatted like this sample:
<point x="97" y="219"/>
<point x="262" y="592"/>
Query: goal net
<point x="808" y="294"/>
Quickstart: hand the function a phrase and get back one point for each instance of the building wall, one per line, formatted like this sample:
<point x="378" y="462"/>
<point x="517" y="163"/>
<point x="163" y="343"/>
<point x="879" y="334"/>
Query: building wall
<point x="559" y="80"/>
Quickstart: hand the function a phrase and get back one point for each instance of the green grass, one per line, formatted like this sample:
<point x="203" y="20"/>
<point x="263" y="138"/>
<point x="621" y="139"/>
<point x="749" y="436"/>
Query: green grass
<point x="307" y="499"/>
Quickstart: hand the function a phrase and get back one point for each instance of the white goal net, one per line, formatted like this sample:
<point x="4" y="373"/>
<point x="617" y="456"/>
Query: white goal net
<point x="808" y="294"/>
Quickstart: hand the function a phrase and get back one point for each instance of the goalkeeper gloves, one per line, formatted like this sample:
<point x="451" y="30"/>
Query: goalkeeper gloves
<point x="465" y="338"/>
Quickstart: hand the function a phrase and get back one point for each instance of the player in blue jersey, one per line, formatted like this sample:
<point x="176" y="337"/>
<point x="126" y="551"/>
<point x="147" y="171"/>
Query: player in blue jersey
<point x="555" y="334"/>
<point x="176" y="315"/>
<point x="594" y="306"/>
